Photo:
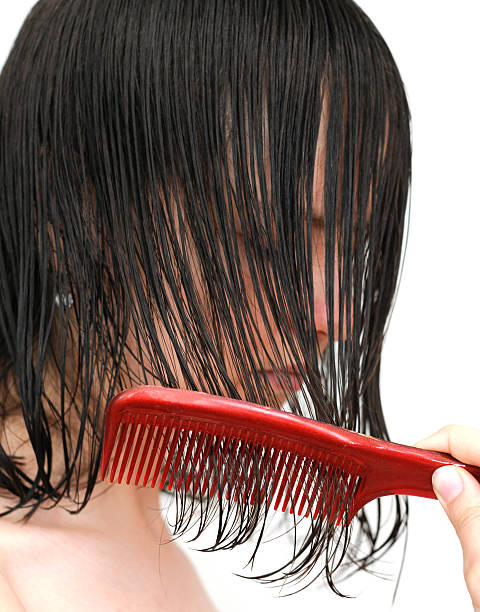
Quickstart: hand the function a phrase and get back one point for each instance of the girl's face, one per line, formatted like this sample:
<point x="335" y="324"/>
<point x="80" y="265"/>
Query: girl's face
<point x="318" y="263"/>
<point x="263" y="341"/>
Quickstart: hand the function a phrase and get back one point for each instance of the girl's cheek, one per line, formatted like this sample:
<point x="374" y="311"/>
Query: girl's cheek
<point x="320" y="305"/>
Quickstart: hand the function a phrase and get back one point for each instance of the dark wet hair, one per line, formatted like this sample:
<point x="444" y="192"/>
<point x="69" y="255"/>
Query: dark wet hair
<point x="119" y="122"/>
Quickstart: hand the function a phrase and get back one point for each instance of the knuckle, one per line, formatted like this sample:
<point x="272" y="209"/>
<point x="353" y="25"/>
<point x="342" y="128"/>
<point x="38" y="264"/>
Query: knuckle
<point x="452" y="433"/>
<point x="468" y="516"/>
<point x="451" y="428"/>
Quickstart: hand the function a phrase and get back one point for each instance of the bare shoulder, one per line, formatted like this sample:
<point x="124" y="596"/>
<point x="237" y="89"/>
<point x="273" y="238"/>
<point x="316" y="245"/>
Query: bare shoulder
<point x="9" y="601"/>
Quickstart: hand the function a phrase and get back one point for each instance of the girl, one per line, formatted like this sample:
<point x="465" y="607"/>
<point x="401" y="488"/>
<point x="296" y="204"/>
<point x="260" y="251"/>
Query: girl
<point x="206" y="195"/>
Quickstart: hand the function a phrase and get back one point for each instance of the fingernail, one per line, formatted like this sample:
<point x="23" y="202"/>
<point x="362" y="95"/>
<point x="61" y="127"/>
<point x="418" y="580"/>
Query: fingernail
<point x="447" y="483"/>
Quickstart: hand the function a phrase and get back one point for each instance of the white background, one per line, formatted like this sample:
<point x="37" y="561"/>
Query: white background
<point x="429" y="368"/>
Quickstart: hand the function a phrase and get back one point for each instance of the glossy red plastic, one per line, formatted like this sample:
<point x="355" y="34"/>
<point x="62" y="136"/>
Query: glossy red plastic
<point x="379" y="467"/>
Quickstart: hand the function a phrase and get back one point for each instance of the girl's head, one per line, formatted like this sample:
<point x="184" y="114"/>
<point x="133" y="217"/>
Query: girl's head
<point x="193" y="193"/>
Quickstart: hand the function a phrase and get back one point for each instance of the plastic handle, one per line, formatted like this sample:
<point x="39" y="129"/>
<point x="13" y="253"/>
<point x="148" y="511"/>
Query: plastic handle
<point x="407" y="470"/>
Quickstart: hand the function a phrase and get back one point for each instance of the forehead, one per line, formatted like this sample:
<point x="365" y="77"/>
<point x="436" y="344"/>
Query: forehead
<point x="318" y="208"/>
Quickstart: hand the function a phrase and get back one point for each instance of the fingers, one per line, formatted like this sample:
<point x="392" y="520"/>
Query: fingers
<point x="459" y="494"/>
<point x="463" y="443"/>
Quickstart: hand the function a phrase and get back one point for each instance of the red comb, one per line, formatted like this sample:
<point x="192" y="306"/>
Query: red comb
<point x="193" y="437"/>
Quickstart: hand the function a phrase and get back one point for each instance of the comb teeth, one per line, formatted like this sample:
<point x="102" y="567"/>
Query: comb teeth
<point x="202" y="457"/>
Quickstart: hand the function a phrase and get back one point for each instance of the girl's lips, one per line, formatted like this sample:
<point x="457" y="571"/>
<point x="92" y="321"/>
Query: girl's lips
<point x="286" y="376"/>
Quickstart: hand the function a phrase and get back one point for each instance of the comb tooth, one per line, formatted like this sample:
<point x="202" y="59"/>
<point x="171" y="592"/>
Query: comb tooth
<point x="353" y="507"/>
<point x="146" y="448"/>
<point x="327" y="495"/>
<point x="291" y="458"/>
<point x="229" y="445"/>
<point x="356" y="485"/>
<point x="348" y="478"/>
<point x="230" y="464"/>
<point x="182" y="442"/>
<point x="211" y="461"/>
<point x="244" y="462"/>
<point x="118" y="451"/>
<point x="173" y="444"/>
<point x="254" y="473"/>
<point x="206" y="453"/>
<point x="231" y="468"/>
<point x="128" y="448"/>
<point x="188" y="454"/>
<point x="301" y="481"/>
<point x="308" y="484"/>
<point x="171" y="432"/>
<point x="235" y="473"/>
<point x="291" y="480"/>
<point x="236" y="469"/>
<point x="141" y="434"/>
<point x="248" y="471"/>
<point x="266" y="451"/>
<point x="195" y="459"/>
<point x="340" y="495"/>
<point x="112" y="427"/>
<point x="336" y="492"/>
<point x="153" y="440"/>
<point x="226" y="439"/>
<point x="333" y="493"/>
<point x="300" y="469"/>
<point x="350" y="491"/>
<point x="270" y="471"/>
<point x="278" y="473"/>
<point x="322" y="489"/>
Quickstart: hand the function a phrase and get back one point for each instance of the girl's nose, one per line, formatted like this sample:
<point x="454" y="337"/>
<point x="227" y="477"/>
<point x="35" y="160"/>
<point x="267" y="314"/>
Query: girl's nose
<point x="320" y="306"/>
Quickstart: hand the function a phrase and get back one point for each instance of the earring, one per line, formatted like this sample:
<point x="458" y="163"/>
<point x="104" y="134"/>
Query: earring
<point x="67" y="299"/>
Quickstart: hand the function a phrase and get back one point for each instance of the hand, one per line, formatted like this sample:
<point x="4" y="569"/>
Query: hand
<point x="460" y="496"/>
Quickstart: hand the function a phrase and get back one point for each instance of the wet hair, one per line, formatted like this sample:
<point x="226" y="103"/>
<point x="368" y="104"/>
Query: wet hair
<point x="130" y="133"/>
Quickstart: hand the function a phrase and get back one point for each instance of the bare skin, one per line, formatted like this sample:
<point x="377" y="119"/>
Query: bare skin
<point x="109" y="556"/>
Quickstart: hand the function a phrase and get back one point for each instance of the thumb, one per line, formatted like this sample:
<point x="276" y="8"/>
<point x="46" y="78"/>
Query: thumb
<point x="459" y="494"/>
